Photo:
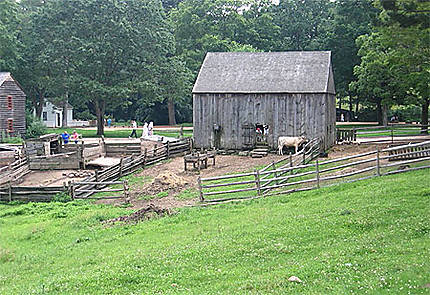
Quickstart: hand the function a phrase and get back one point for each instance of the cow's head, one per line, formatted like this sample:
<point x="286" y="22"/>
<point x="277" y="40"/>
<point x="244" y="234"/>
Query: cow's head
<point x="303" y="139"/>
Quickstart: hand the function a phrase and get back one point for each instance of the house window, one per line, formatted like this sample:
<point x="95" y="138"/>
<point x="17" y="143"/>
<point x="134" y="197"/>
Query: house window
<point x="10" y="125"/>
<point x="45" y="116"/>
<point x="9" y="102"/>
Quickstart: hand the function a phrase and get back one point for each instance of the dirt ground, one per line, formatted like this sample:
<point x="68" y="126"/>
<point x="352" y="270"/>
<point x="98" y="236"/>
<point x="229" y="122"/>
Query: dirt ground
<point x="168" y="180"/>
<point x="54" y="177"/>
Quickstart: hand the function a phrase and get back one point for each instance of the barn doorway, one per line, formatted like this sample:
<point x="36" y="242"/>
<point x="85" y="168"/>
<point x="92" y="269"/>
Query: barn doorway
<point x="261" y="133"/>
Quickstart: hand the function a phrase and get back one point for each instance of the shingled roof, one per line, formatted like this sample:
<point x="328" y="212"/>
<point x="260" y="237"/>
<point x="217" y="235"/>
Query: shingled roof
<point x="266" y="72"/>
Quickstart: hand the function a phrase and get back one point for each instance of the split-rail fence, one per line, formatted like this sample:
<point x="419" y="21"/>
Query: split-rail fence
<point x="307" y="176"/>
<point x="105" y="181"/>
<point x="400" y="133"/>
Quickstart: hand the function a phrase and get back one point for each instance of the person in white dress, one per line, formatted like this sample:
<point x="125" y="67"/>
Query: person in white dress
<point x="145" y="131"/>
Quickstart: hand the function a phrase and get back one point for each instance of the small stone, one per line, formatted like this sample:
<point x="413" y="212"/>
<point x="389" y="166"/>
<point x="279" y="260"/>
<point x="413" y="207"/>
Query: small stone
<point x="243" y="153"/>
<point x="294" y="279"/>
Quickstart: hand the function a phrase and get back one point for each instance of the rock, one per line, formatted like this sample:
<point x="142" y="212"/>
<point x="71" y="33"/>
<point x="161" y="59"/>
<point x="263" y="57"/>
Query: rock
<point x="294" y="279"/>
<point x="244" y="153"/>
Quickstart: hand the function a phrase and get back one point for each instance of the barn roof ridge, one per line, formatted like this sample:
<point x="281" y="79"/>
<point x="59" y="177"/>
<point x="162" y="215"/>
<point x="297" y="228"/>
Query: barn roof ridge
<point x="266" y="72"/>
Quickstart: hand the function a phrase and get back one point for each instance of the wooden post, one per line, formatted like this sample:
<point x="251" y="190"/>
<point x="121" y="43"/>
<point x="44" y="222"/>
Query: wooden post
<point x="291" y="163"/>
<point x="167" y="150"/>
<point x="72" y="190"/>
<point x="317" y="172"/>
<point x="9" y="186"/>
<point x="199" y="182"/>
<point x="354" y="134"/>
<point x="97" y="178"/>
<point x="144" y="158"/>
<point x="257" y="181"/>
<point x="121" y="164"/>
<point x="392" y="134"/>
<point x="378" y="168"/>
<point x="154" y="151"/>
<point x="126" y="191"/>
<point x="304" y="156"/>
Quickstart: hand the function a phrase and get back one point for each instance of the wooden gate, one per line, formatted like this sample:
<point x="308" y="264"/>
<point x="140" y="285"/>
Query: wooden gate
<point x="248" y="136"/>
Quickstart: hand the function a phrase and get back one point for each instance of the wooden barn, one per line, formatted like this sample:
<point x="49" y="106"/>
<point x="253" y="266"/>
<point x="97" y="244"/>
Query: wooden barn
<point x="240" y="98"/>
<point x="12" y="106"/>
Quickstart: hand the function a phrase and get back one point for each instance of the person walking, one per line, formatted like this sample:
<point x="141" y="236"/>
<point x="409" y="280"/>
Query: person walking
<point x="151" y="128"/>
<point x="134" y="131"/>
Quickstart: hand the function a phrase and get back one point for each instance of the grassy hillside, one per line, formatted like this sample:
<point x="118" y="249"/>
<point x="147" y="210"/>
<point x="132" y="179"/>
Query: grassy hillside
<point x="365" y="237"/>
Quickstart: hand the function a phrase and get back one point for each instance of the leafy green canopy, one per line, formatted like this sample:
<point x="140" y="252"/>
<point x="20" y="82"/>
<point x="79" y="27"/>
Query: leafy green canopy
<point x="104" y="51"/>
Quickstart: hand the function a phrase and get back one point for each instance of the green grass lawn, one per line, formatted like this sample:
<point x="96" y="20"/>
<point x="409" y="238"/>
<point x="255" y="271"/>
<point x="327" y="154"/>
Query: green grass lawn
<point x="116" y="133"/>
<point x="370" y="236"/>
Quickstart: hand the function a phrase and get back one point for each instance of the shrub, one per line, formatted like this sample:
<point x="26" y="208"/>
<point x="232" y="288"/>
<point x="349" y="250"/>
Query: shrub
<point x="35" y="127"/>
<point x="61" y="197"/>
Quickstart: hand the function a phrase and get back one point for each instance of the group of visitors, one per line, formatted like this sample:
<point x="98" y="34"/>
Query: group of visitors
<point x="147" y="130"/>
<point x="66" y="137"/>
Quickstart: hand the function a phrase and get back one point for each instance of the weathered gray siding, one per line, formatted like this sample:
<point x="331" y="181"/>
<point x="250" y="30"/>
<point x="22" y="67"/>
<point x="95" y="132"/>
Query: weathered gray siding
<point x="311" y="115"/>
<point x="17" y="113"/>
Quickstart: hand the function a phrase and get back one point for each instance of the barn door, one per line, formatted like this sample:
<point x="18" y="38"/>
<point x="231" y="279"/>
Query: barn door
<point x="248" y="136"/>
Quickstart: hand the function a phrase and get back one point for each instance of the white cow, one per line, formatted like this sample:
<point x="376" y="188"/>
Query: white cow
<point x="290" y="141"/>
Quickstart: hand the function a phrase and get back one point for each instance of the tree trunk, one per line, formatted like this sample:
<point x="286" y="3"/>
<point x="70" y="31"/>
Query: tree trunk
<point x="357" y="104"/>
<point x="425" y="116"/>
<point x="100" y="114"/>
<point x="65" y="104"/>
<point x="384" y="115"/>
<point x="171" y="111"/>
<point x="38" y="105"/>
<point x="379" y="112"/>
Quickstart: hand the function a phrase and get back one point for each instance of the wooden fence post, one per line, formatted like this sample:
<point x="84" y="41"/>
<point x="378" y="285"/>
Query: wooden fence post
<point x="354" y="134"/>
<point x="97" y="178"/>
<point x="304" y="156"/>
<point x="72" y="190"/>
<point x="154" y="151"/>
<point x="126" y="191"/>
<point x="378" y="168"/>
<point x="121" y="164"/>
<point x="317" y="172"/>
<point x="144" y="158"/>
<point x="199" y="182"/>
<point x="9" y="186"/>
<point x="392" y="134"/>
<point x="291" y="163"/>
<point x="167" y="150"/>
<point x="257" y="181"/>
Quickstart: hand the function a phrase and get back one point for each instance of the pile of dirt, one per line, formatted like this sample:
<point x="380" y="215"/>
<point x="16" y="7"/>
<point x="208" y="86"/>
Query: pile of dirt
<point x="165" y="181"/>
<point x="143" y="214"/>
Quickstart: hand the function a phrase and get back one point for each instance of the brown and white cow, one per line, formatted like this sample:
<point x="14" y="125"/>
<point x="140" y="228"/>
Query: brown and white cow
<point x="289" y="141"/>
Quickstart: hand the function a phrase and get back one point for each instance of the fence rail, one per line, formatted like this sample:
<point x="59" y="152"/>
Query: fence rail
<point x="384" y="134"/>
<point x="287" y="178"/>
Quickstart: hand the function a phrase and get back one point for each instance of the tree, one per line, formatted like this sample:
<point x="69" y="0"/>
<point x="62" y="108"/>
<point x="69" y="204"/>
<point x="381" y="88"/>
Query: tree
<point x="304" y="24"/>
<point x="116" y="54"/>
<point x="377" y="80"/>
<point x="350" y="20"/>
<point x="9" y="29"/>
<point x="410" y="21"/>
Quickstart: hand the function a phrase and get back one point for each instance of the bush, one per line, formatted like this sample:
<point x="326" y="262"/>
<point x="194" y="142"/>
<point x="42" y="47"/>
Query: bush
<point x="35" y="127"/>
<point x="61" y="197"/>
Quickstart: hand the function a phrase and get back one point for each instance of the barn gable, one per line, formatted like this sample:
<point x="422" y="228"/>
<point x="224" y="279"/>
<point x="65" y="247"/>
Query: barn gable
<point x="266" y="72"/>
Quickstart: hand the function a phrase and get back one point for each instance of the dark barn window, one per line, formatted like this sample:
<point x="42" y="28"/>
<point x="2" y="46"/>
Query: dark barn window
<point x="10" y="125"/>
<point x="9" y="102"/>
